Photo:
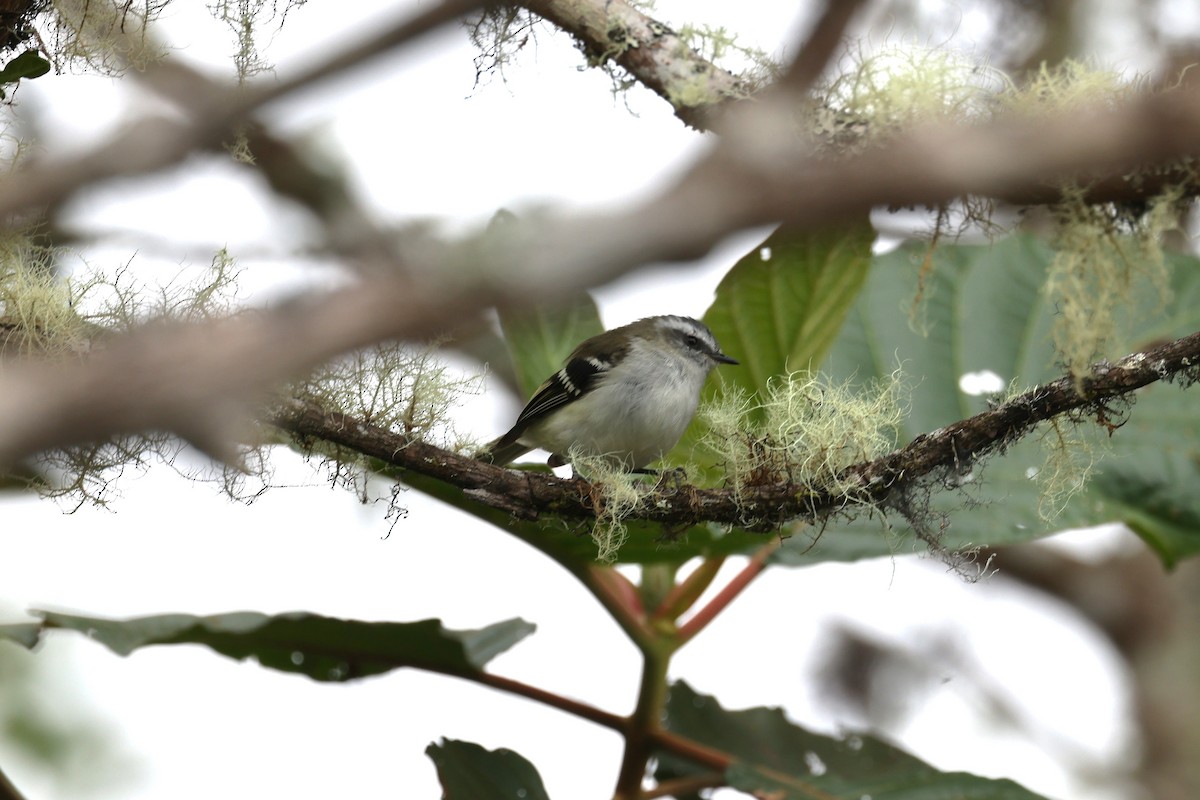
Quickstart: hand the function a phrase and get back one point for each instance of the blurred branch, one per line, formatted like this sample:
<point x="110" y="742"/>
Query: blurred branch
<point x="575" y="707"/>
<point x="7" y="790"/>
<point x="191" y="379"/>
<point x="1152" y="618"/>
<point x="211" y="111"/>
<point x="883" y="482"/>
<point x="820" y="47"/>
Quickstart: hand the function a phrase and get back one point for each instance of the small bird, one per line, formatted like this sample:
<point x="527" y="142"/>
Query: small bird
<point x="626" y="395"/>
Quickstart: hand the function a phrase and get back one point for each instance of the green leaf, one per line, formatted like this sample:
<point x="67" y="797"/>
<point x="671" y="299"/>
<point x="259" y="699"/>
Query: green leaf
<point x="467" y="771"/>
<point x="984" y="309"/>
<point x="27" y="65"/>
<point x="323" y="648"/>
<point x="775" y="758"/>
<point x="780" y="307"/>
<point x="1156" y="500"/>
<point x="540" y="339"/>
<point x="778" y="310"/>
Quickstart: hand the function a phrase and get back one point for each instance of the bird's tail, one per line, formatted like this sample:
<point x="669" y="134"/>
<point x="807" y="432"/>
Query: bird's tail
<point x="502" y="452"/>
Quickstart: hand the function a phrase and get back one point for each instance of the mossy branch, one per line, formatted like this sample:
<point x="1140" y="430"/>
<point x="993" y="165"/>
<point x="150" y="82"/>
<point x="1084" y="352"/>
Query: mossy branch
<point x="654" y="54"/>
<point x="883" y="482"/>
<point x="701" y="91"/>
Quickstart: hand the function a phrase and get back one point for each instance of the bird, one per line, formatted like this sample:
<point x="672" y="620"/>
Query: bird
<point x="625" y="395"/>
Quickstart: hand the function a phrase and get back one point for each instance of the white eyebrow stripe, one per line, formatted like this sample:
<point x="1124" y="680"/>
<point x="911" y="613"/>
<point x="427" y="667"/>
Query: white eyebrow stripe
<point x="691" y="328"/>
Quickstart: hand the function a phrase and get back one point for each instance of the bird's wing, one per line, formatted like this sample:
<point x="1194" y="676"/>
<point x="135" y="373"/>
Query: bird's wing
<point x="584" y="368"/>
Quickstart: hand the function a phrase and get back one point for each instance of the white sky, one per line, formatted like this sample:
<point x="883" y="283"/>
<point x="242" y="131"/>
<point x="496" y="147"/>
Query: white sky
<point x="422" y="143"/>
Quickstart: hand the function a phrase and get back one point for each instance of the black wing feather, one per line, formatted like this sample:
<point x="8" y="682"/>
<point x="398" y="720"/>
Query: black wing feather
<point x="583" y="369"/>
<point x="564" y="386"/>
<point x="576" y="378"/>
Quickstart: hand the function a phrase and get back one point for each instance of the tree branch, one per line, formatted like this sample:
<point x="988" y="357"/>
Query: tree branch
<point x="211" y="111"/>
<point x="529" y="495"/>
<point x="186" y="378"/>
<point x="579" y="709"/>
<point x="729" y="592"/>
<point x="650" y="51"/>
<point x="701" y="93"/>
<point x="819" y="49"/>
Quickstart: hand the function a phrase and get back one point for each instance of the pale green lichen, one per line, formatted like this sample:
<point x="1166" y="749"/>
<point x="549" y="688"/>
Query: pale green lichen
<point x="1108" y="267"/>
<point x="1070" y="86"/>
<point x="392" y="385"/>
<point x="1109" y="257"/>
<point x="499" y="33"/>
<point x="1068" y="457"/>
<point x="107" y="36"/>
<point x="881" y="94"/>
<point x="616" y="493"/>
<point x="47" y="316"/>
<point x="1069" y="460"/>
<point x="247" y="19"/>
<point x="885" y="92"/>
<point x="803" y="429"/>
<point x="37" y="308"/>
<point x="752" y="66"/>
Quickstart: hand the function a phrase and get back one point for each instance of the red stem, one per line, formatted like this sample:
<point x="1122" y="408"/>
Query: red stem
<point x="576" y="707"/>
<point x="736" y="586"/>
<point x="619" y="597"/>
<point x="686" y="592"/>
<point x="704" y="755"/>
<point x="689" y="785"/>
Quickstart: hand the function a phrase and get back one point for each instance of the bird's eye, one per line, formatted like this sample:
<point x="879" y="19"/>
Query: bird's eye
<point x="692" y="341"/>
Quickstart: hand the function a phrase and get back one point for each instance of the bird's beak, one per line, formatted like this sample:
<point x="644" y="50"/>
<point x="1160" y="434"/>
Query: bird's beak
<point x="724" y="359"/>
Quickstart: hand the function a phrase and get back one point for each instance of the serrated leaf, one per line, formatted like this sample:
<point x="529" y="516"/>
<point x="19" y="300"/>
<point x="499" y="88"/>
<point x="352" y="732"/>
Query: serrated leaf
<point x="468" y="771"/>
<point x="540" y="339"/>
<point x="323" y="648"/>
<point x="984" y="309"/>
<point x="778" y="759"/>
<point x="27" y="65"/>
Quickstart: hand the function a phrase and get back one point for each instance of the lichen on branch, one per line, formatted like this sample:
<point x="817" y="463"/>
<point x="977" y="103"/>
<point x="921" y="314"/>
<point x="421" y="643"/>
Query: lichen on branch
<point x="883" y="482"/>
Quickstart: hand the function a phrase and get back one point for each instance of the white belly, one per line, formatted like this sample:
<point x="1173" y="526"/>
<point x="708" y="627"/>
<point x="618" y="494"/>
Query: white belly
<point x="630" y="420"/>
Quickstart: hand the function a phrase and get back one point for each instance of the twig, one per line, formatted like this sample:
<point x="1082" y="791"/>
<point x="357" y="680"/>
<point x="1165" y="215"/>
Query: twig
<point x="688" y="591"/>
<point x="818" y="50"/>
<point x="701" y="754"/>
<point x="153" y="143"/>
<point x="652" y="53"/>
<point x="530" y="494"/>
<point x="676" y="787"/>
<point x="188" y="379"/>
<point x="700" y="620"/>
<point x="579" y="709"/>
<point x="619" y="597"/>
